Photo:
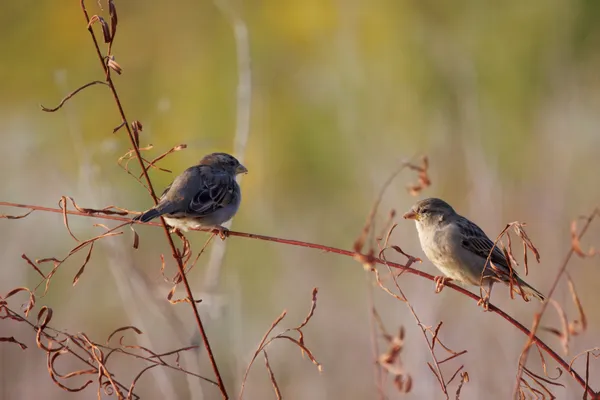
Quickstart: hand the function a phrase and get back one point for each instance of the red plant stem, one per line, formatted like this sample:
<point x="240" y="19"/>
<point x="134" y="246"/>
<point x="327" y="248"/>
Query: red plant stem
<point x="180" y="265"/>
<point x="564" y="365"/>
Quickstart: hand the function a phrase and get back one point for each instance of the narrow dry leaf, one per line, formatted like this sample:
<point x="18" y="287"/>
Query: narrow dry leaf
<point x="105" y="29"/>
<point x="152" y="164"/>
<point x="136" y="239"/>
<point x="32" y="265"/>
<point x="13" y="340"/>
<point x="87" y="259"/>
<point x="62" y="204"/>
<point x="136" y="127"/>
<point x="577" y="326"/>
<point x="6" y="216"/>
<point x="122" y="124"/>
<point x="112" y="10"/>
<point x="562" y="334"/>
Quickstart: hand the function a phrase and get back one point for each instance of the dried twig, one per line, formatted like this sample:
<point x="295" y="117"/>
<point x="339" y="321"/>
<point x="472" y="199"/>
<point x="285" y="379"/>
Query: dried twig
<point x="266" y="341"/>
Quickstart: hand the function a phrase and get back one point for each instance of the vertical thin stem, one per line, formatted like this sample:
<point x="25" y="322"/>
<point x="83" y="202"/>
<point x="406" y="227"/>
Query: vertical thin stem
<point x="175" y="254"/>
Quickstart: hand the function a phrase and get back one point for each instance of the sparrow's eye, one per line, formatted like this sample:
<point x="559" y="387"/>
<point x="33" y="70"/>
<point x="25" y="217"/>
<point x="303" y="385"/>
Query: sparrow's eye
<point x="424" y="210"/>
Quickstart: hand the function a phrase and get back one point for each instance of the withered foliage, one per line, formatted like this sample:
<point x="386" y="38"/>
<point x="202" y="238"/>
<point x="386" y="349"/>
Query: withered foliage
<point x="390" y="360"/>
<point x="285" y="335"/>
<point x="98" y="360"/>
<point x="568" y="328"/>
<point x="510" y="276"/>
<point x="94" y="357"/>
<point x="379" y="244"/>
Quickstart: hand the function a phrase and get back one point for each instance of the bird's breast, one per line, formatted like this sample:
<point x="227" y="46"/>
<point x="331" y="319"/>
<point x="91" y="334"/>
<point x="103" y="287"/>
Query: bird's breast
<point x="440" y="246"/>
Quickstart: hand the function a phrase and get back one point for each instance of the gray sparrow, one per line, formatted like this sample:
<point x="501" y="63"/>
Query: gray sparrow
<point x="459" y="248"/>
<point x="204" y="195"/>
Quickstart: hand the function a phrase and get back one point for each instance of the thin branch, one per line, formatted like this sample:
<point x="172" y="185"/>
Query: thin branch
<point x="403" y="268"/>
<point x="134" y="144"/>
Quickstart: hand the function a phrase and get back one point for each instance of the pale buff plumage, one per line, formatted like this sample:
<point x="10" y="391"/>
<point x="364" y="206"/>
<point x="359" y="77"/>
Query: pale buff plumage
<point x="459" y="248"/>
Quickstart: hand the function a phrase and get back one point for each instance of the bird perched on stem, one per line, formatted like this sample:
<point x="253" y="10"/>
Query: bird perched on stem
<point x="204" y="195"/>
<point x="460" y="249"/>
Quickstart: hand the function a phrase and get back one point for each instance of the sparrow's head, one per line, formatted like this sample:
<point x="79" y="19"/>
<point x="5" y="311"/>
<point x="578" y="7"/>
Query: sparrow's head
<point x="429" y="211"/>
<point x="225" y="162"/>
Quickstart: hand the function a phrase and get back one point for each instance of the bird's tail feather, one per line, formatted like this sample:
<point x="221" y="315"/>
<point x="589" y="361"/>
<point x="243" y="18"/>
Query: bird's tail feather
<point x="530" y="290"/>
<point x="149" y="215"/>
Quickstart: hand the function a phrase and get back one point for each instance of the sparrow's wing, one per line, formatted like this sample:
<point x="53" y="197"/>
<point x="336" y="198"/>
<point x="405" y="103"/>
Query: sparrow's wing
<point x="217" y="190"/>
<point x="476" y="241"/>
<point x="162" y="196"/>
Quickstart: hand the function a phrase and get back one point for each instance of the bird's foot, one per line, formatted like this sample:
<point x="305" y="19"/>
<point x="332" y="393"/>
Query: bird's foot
<point x="484" y="302"/>
<point x="440" y="282"/>
<point x="221" y="231"/>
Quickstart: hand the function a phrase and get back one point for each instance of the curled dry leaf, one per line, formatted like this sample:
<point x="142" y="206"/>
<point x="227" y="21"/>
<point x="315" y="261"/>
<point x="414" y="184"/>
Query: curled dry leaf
<point x="27" y="306"/>
<point x="579" y="325"/>
<point x="464" y="379"/>
<point x="13" y="340"/>
<point x="423" y="177"/>
<point x="390" y="360"/>
<point x="122" y="329"/>
<point x="576" y="244"/>
<point x="112" y="64"/>
<point x="171" y="294"/>
<point x="563" y="334"/>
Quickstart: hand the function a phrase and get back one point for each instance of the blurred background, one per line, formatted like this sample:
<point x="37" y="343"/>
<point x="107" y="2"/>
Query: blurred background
<point x="503" y="99"/>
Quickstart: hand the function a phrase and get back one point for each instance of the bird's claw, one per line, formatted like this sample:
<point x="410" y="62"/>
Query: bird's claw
<point x="221" y="231"/>
<point x="484" y="302"/>
<point x="440" y="282"/>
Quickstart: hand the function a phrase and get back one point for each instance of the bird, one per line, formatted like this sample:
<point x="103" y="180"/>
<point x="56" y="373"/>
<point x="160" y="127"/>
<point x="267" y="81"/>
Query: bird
<point x="459" y="248"/>
<point x="204" y="195"/>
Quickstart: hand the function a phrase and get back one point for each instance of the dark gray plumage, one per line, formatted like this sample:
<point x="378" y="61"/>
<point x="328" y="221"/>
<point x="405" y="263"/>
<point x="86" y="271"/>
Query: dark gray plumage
<point x="203" y="195"/>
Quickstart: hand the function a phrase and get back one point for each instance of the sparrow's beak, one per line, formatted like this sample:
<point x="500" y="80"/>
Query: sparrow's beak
<point x="240" y="169"/>
<point x="411" y="215"/>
